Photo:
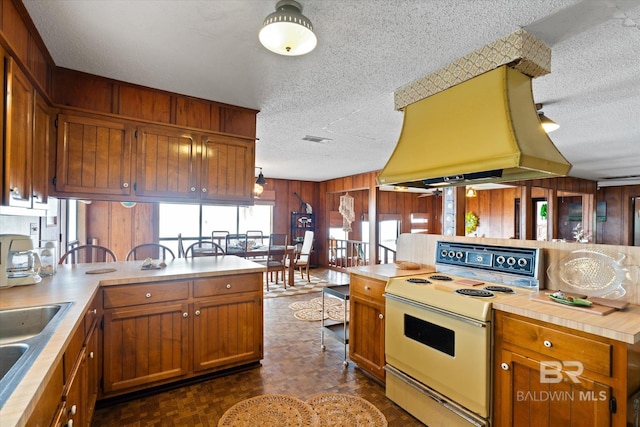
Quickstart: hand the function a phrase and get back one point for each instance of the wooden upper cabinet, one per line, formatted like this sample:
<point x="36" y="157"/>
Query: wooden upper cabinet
<point x="166" y="163"/>
<point x="94" y="156"/>
<point x="42" y="130"/>
<point x="18" y="150"/>
<point x="227" y="169"/>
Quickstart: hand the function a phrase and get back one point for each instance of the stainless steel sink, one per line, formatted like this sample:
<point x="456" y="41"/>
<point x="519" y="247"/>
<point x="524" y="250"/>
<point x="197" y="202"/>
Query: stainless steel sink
<point x="23" y="334"/>
<point x="22" y="323"/>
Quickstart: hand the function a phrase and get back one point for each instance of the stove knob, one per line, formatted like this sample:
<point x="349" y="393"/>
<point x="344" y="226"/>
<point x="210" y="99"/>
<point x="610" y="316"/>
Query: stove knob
<point x="504" y="366"/>
<point x="459" y="254"/>
<point x="511" y="260"/>
<point x="501" y="259"/>
<point x="452" y="254"/>
<point x="479" y="258"/>
<point x="522" y="262"/>
<point x="444" y="253"/>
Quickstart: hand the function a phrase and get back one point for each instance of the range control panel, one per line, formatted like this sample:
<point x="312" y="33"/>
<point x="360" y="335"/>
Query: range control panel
<point x="500" y="259"/>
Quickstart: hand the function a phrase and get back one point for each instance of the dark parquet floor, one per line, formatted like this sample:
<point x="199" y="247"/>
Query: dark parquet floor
<point x="293" y="364"/>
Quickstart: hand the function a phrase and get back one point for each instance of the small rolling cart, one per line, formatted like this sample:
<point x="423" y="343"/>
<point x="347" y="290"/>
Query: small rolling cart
<point x="339" y="329"/>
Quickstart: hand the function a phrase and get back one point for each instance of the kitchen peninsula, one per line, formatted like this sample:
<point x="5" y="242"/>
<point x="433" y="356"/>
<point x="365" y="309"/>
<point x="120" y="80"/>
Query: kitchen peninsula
<point x="177" y="304"/>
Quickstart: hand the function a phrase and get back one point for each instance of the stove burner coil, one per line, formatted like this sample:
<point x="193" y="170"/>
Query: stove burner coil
<point x="474" y="293"/>
<point x="417" y="280"/>
<point x="503" y="289"/>
<point x="441" y="277"/>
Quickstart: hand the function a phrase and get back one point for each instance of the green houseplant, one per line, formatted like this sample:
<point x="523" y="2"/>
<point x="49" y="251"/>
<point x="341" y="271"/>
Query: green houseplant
<point x="470" y="222"/>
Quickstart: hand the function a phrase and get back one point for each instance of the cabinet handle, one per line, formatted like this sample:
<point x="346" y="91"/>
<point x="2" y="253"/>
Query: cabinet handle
<point x="94" y="311"/>
<point x="148" y="295"/>
<point x="380" y="316"/>
<point x="547" y="343"/>
<point x="367" y="288"/>
<point x="504" y="366"/>
<point x="125" y="185"/>
<point x="69" y="423"/>
<point x="192" y="189"/>
<point x="204" y="190"/>
<point x="228" y="286"/>
<point x="91" y="355"/>
<point x="73" y="410"/>
<point x="15" y="192"/>
<point x="185" y="314"/>
<point x="197" y="313"/>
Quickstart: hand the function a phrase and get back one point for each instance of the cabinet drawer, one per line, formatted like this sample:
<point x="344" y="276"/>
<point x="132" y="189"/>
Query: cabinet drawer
<point x="368" y="288"/>
<point x="149" y="293"/>
<point x="227" y="285"/>
<point x="594" y="355"/>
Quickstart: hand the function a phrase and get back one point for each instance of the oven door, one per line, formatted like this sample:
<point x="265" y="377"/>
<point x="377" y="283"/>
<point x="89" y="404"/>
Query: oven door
<point x="448" y="353"/>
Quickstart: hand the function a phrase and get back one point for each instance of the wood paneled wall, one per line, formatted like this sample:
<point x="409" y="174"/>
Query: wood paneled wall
<point x="495" y="210"/>
<point x="120" y="228"/>
<point x="99" y="94"/>
<point x="618" y="227"/>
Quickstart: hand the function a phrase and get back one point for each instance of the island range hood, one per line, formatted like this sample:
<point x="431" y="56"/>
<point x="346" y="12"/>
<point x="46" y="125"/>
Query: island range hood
<point x="483" y="130"/>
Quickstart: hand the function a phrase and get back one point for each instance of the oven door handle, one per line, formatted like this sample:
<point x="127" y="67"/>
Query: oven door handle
<point x="436" y="310"/>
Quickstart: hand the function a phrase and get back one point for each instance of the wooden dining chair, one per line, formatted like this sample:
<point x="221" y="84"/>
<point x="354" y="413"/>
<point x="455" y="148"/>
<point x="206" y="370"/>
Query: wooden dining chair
<point x="149" y="250"/>
<point x="204" y="248"/>
<point x="276" y="258"/>
<point x="254" y="238"/>
<point x="220" y="237"/>
<point x="88" y="254"/>
<point x="301" y="259"/>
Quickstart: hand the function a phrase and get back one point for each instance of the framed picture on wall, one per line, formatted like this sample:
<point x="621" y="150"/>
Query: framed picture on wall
<point x="575" y="211"/>
<point x="601" y="211"/>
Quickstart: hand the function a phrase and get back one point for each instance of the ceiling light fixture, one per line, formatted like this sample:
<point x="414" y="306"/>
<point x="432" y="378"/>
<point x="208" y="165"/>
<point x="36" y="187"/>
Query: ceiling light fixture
<point x="547" y="124"/>
<point x="471" y="192"/>
<point x="287" y="31"/>
<point x="258" y="186"/>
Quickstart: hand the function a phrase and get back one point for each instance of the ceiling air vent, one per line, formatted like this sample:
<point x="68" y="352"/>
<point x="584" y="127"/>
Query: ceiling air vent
<point x="317" y="139"/>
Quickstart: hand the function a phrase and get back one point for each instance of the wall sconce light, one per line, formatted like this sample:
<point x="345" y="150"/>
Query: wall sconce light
<point x="287" y="31"/>
<point x="258" y="186"/>
<point x="471" y="192"/>
<point x="547" y="124"/>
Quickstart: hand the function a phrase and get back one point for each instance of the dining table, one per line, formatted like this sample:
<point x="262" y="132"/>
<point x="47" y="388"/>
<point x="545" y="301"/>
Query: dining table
<point x="259" y="251"/>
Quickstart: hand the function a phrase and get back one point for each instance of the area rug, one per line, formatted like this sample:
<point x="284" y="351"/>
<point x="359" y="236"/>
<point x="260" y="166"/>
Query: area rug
<point x="270" y="410"/>
<point x="327" y="409"/>
<point x="300" y="287"/>
<point x="312" y="310"/>
<point x="344" y="410"/>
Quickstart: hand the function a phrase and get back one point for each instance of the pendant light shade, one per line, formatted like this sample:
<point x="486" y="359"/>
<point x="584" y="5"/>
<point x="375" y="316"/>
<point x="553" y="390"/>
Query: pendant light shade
<point x="471" y="192"/>
<point x="261" y="179"/>
<point x="547" y="124"/>
<point x="287" y="31"/>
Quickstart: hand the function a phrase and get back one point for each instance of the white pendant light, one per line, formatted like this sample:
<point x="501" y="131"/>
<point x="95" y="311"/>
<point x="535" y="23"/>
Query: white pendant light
<point x="287" y="31"/>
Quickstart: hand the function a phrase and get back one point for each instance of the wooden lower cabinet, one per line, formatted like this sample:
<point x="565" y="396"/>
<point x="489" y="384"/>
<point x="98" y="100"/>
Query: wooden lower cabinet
<point x="547" y="375"/>
<point x="366" y="325"/>
<point x="179" y="329"/>
<point x="145" y="345"/>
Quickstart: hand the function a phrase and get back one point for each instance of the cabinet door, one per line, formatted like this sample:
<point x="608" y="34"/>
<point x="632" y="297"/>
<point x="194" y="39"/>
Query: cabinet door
<point x="93" y="373"/>
<point x="553" y="399"/>
<point x="366" y="335"/>
<point x="74" y="396"/>
<point x="144" y="345"/>
<point x="227" y="331"/>
<point x="18" y="150"/>
<point x="42" y="120"/>
<point x="227" y="169"/>
<point x="94" y="157"/>
<point x="167" y="163"/>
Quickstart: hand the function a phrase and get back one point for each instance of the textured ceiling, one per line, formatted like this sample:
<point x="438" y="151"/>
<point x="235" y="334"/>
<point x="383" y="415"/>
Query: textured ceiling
<point x="343" y="90"/>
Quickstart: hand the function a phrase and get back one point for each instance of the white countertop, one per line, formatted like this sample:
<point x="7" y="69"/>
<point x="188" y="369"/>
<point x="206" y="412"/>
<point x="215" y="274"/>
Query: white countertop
<point x="387" y="271"/>
<point x="72" y="284"/>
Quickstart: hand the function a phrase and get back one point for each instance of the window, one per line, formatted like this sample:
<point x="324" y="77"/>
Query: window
<point x="196" y="222"/>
